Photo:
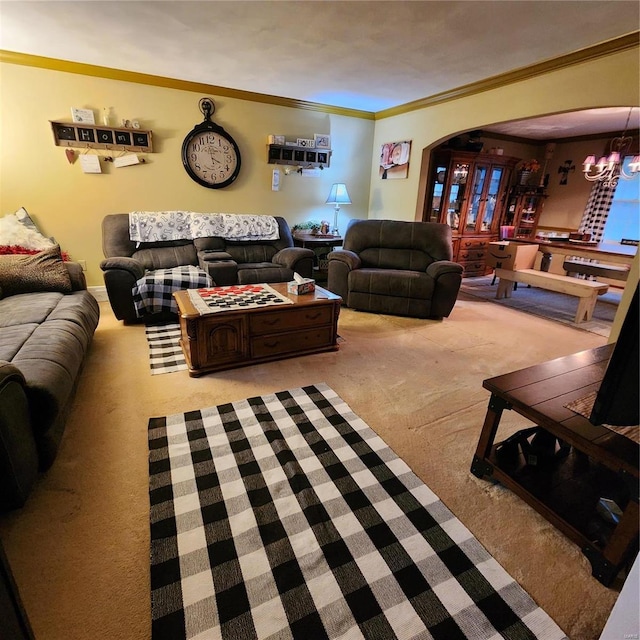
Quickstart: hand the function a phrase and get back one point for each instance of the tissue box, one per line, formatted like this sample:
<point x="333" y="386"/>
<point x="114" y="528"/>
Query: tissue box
<point x="298" y="288"/>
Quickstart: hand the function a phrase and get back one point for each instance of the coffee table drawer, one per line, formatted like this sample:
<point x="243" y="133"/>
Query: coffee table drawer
<point x="287" y="319"/>
<point x="293" y="342"/>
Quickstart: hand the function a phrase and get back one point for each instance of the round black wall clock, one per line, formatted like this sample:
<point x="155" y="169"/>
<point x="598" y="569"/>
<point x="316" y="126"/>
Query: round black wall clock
<point x="209" y="154"/>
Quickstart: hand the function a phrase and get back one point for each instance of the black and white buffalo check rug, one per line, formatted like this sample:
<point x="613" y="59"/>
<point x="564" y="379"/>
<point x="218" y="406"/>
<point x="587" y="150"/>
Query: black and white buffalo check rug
<point x="286" y="516"/>
<point x="165" y="354"/>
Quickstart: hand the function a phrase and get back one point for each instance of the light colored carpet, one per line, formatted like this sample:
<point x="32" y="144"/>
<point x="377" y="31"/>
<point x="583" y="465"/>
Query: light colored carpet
<point x="80" y="546"/>
<point x="549" y="304"/>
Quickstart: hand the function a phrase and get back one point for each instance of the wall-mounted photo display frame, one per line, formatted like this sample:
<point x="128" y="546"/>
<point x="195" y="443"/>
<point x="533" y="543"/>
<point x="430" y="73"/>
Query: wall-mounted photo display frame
<point x="305" y="158"/>
<point x="322" y="141"/>
<point x="66" y="134"/>
<point x="394" y="160"/>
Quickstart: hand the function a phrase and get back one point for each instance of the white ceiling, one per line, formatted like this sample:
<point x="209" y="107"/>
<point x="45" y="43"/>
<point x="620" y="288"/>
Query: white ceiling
<point x="355" y="54"/>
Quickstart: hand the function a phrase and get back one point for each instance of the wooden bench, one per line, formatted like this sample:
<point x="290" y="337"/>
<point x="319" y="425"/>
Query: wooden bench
<point x="611" y="271"/>
<point x="586" y="290"/>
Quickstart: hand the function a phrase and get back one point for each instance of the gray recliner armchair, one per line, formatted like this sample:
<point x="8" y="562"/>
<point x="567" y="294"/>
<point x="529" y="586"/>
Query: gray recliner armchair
<point x="396" y="268"/>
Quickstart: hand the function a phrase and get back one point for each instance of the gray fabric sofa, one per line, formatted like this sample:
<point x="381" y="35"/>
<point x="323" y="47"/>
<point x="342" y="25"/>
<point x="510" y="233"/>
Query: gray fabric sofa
<point x="227" y="262"/>
<point x="396" y="268"/>
<point x="44" y="338"/>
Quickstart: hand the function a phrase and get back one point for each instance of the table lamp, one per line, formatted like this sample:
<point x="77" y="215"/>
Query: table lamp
<point x="338" y="195"/>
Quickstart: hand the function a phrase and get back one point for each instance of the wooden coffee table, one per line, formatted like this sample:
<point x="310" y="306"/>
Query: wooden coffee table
<point x="237" y="338"/>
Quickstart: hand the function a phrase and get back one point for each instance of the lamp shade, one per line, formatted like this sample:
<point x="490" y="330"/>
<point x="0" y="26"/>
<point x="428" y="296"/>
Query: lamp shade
<point x="338" y="194"/>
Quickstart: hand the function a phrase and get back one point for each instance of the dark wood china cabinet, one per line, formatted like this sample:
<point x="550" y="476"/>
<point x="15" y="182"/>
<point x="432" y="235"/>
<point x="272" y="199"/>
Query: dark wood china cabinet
<point x="468" y="191"/>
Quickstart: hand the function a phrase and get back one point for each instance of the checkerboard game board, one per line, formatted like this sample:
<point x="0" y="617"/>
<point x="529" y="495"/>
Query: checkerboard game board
<point x="286" y="516"/>
<point x="235" y="297"/>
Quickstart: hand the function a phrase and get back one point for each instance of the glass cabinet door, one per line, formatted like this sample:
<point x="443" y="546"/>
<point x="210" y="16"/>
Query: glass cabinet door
<point x="529" y="206"/>
<point x="456" y="195"/>
<point x="475" y="204"/>
<point x="484" y="198"/>
<point x="491" y="199"/>
<point x="528" y="221"/>
<point x="437" y="192"/>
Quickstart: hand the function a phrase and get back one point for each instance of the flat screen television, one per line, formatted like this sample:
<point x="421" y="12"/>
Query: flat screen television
<point x="617" y="402"/>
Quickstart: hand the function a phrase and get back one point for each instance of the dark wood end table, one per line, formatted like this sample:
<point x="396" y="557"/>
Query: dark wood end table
<point x="321" y="245"/>
<point x="585" y="463"/>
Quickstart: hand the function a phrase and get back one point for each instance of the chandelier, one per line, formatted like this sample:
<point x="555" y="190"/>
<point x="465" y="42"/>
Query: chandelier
<point x="610" y="169"/>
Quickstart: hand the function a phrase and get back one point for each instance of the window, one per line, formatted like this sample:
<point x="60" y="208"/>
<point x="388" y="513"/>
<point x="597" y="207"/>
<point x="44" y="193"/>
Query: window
<point x="624" y="216"/>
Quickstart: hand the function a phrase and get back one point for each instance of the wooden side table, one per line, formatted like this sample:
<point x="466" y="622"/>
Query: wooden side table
<point x="321" y="245"/>
<point x="586" y="463"/>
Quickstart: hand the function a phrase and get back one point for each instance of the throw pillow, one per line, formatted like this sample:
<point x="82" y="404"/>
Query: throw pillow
<point x="18" y="229"/>
<point x="44" y="271"/>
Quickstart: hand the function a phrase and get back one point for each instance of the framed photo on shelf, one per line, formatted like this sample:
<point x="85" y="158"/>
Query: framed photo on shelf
<point x="322" y="141"/>
<point x="85" y="116"/>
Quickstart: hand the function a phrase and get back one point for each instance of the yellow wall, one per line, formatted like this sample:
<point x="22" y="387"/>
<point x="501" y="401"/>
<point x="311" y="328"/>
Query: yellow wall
<point x="69" y="204"/>
<point x="608" y="81"/>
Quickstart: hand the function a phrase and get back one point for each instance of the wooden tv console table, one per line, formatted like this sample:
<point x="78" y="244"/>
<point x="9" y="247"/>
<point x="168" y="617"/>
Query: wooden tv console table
<point x="588" y="462"/>
<point x="236" y="338"/>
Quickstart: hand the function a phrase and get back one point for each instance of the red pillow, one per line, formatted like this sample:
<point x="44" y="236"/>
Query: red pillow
<point x="13" y="249"/>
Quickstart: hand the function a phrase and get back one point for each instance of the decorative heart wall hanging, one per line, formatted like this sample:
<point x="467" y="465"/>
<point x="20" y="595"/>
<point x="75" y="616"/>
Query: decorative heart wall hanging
<point x="71" y="155"/>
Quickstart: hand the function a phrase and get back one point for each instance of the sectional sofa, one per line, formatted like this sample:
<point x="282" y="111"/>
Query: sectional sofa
<point x="47" y="322"/>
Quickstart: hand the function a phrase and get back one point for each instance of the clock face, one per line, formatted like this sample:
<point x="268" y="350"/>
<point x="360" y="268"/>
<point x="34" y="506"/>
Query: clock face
<point x="211" y="158"/>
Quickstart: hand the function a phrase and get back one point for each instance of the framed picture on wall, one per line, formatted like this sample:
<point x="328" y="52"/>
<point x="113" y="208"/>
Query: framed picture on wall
<point x="394" y="160"/>
<point x="322" y="141"/>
